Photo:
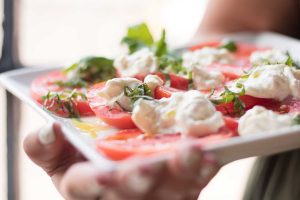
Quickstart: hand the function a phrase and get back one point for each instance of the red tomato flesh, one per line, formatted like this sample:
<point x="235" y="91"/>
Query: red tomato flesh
<point x="127" y="143"/>
<point x="112" y="116"/>
<point x="47" y="83"/>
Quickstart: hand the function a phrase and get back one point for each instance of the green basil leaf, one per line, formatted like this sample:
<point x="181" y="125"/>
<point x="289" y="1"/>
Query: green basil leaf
<point x="296" y="120"/>
<point x="92" y="69"/>
<point x="138" y="36"/>
<point x="230" y="46"/>
<point x="161" y="47"/>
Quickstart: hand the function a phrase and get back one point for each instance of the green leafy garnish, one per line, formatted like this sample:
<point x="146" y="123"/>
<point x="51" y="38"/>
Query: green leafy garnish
<point x="92" y="69"/>
<point x="290" y="61"/>
<point x="138" y="36"/>
<point x="142" y="91"/>
<point x="296" y="120"/>
<point x="171" y="63"/>
<point x="74" y="83"/>
<point x="161" y="47"/>
<point x="229" y="96"/>
<point x="64" y="101"/>
<point x="229" y="45"/>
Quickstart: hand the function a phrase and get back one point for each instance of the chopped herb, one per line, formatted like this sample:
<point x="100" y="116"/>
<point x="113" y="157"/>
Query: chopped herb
<point x="296" y="120"/>
<point x="229" y="96"/>
<point x="190" y="78"/>
<point x="71" y="83"/>
<point x="64" y="101"/>
<point x="229" y="45"/>
<point x="289" y="61"/>
<point x="142" y="91"/>
<point x="171" y="63"/>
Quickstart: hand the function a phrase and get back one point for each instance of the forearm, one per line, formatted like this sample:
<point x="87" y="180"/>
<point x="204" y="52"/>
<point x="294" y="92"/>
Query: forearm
<point x="225" y="16"/>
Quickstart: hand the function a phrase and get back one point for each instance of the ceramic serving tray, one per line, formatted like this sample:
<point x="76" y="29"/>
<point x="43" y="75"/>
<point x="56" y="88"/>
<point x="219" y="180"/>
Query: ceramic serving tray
<point x="266" y="143"/>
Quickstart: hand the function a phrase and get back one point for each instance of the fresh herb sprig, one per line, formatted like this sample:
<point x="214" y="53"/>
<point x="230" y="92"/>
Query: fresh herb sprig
<point x="290" y="61"/>
<point x="140" y="92"/>
<point x="139" y="36"/>
<point x="296" y="120"/>
<point x="92" y="69"/>
<point x="229" y="45"/>
<point x="74" y="83"/>
<point x="64" y="101"/>
<point x="229" y="96"/>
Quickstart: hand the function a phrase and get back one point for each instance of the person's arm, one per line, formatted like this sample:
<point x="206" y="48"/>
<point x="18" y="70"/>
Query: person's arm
<point x="226" y="16"/>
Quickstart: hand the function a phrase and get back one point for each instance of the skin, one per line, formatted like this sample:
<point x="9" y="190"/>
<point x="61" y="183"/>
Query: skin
<point x="187" y="172"/>
<point x="165" y="178"/>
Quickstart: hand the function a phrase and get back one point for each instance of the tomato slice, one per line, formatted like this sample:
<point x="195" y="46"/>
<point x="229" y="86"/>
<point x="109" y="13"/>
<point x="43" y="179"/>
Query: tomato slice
<point x="47" y="83"/>
<point x="127" y="143"/>
<point x="122" y="149"/>
<point x="164" y="92"/>
<point x="289" y="105"/>
<point x="112" y="116"/>
<point x="205" y="44"/>
<point x="249" y="101"/>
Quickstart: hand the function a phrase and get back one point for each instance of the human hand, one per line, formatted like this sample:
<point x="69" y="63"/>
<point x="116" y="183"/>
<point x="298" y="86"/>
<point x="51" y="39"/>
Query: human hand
<point x="182" y="177"/>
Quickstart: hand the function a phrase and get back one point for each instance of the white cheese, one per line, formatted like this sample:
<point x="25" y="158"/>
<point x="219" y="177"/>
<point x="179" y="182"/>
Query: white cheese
<point x="273" y="81"/>
<point x="113" y="92"/>
<point x="153" y="81"/>
<point x="189" y="113"/>
<point x="207" y="56"/>
<point x="204" y="79"/>
<point x="259" y="119"/>
<point x="271" y="56"/>
<point x="142" y="62"/>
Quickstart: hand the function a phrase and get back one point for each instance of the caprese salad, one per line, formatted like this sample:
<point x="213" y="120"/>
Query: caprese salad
<point x="157" y="97"/>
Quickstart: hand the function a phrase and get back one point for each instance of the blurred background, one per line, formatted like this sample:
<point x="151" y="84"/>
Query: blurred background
<point x="59" y="32"/>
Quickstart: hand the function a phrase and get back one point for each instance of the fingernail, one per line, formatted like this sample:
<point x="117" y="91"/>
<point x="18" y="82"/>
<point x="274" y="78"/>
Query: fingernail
<point x="46" y="134"/>
<point x="208" y="169"/>
<point x="190" y="157"/>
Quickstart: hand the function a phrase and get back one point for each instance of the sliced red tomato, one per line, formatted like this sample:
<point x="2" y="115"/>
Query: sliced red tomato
<point x="164" y="92"/>
<point x="205" y="44"/>
<point x="127" y="143"/>
<point x="231" y="72"/>
<point x="44" y="84"/>
<point x="289" y="105"/>
<point x="249" y="101"/>
<point x="112" y="116"/>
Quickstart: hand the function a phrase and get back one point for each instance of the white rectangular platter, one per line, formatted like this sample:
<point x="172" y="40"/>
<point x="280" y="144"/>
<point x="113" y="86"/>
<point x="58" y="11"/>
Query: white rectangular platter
<point x="18" y="82"/>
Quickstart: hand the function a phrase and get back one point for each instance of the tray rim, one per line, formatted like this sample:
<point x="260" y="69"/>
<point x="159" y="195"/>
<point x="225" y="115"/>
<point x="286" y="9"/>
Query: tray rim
<point x="226" y="151"/>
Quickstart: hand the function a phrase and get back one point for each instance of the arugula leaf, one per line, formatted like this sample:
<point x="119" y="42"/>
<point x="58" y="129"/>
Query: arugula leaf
<point x="229" y="45"/>
<point x="161" y="47"/>
<point x="229" y="96"/>
<point x="137" y="37"/>
<point x="142" y="91"/>
<point x="92" y="69"/>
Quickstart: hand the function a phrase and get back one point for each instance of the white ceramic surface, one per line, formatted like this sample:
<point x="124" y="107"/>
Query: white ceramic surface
<point x="18" y="82"/>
